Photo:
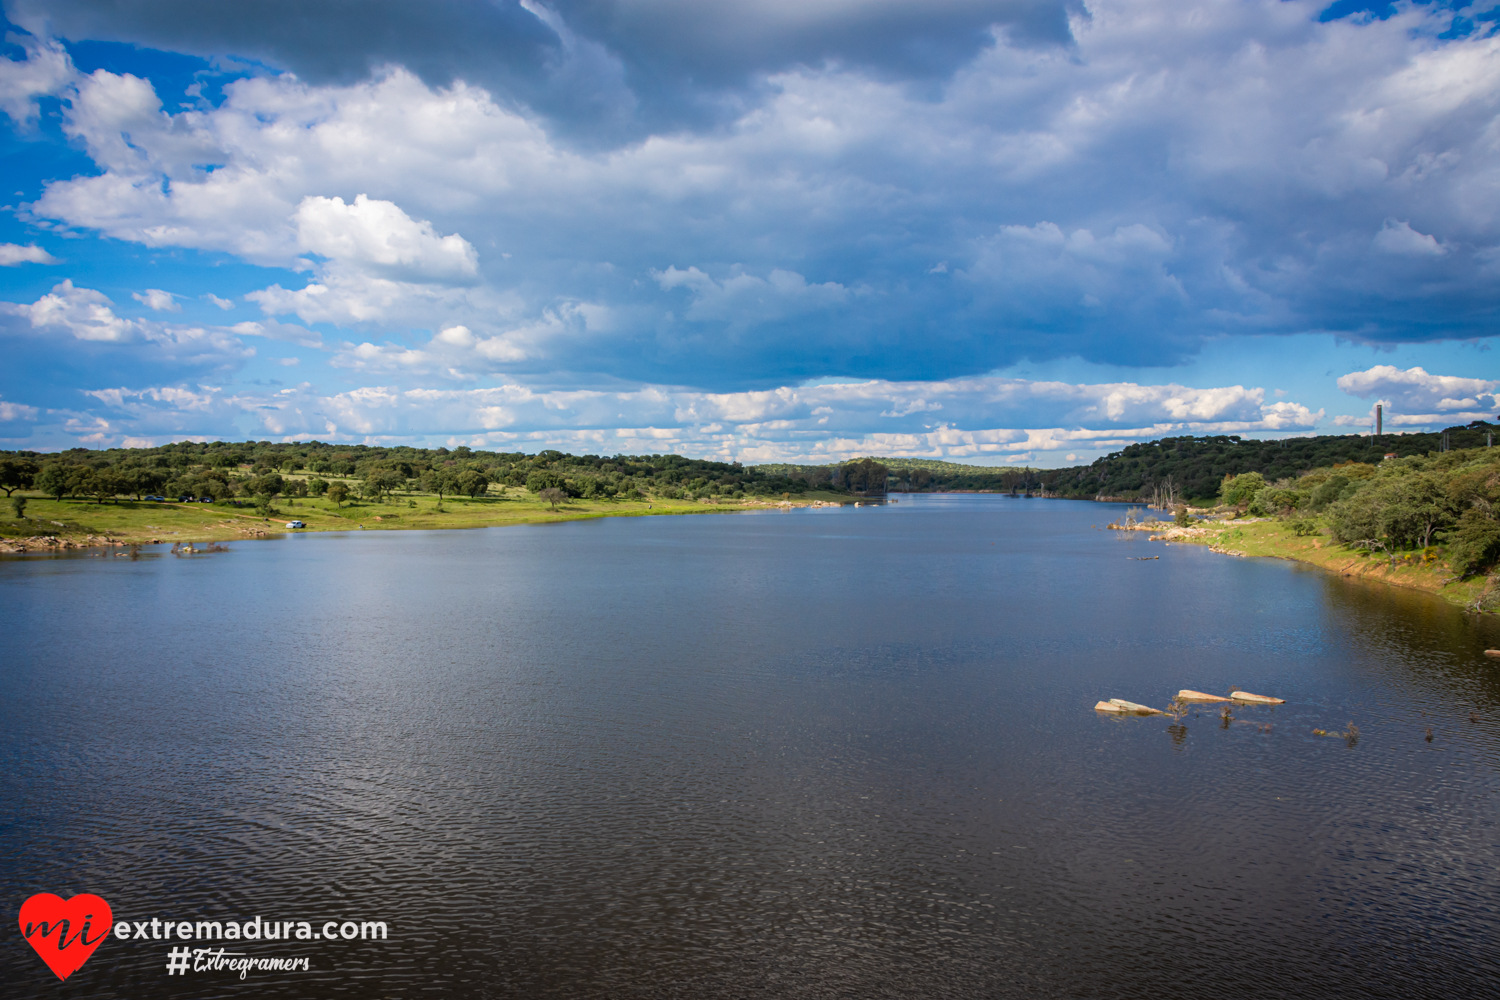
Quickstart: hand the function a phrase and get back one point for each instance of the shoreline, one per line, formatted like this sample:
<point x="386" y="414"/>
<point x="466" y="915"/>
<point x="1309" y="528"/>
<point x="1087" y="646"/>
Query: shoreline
<point x="76" y="525"/>
<point x="1265" y="538"/>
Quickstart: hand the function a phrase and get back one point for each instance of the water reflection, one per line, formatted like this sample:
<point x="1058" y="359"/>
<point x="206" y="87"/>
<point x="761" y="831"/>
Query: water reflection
<point x="826" y="753"/>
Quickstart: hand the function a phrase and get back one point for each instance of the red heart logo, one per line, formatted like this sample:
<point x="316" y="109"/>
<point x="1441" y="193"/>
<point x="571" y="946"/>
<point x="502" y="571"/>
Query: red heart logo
<point x="63" y="931"/>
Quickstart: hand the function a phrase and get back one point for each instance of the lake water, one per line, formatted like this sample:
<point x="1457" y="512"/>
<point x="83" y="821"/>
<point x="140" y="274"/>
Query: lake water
<point x="819" y="753"/>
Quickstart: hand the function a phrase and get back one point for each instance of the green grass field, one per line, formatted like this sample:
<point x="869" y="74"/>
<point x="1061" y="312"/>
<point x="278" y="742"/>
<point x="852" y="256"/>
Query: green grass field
<point x="139" y="522"/>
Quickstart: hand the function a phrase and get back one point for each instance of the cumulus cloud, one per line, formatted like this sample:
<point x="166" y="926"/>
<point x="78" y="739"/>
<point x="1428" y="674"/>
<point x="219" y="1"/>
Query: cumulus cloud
<point x="378" y="237"/>
<point x="83" y="312"/>
<point x="1401" y="238"/>
<point x="888" y="192"/>
<point x="1414" y="397"/>
<point x="158" y="300"/>
<point x="12" y="255"/>
<point x="86" y="316"/>
<point x="45" y="71"/>
<point x="13" y="412"/>
<point x="811" y="220"/>
<point x="1000" y="418"/>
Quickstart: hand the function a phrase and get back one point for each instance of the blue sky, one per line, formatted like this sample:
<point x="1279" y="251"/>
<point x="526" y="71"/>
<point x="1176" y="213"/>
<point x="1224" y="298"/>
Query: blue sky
<point x="995" y="231"/>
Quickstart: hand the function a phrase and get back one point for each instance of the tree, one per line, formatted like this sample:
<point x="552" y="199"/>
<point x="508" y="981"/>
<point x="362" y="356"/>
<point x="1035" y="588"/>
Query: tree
<point x="472" y="482"/>
<point x="106" y="484"/>
<point x="141" y="480"/>
<point x="379" y="482"/>
<point x="553" y="495"/>
<point x="57" y="480"/>
<point x="338" y="493"/>
<point x="18" y="504"/>
<point x="865" y="476"/>
<point x="270" y="485"/>
<point x="317" y="487"/>
<point x="439" y="481"/>
<point x="1414" y="508"/>
<point x="541" y="480"/>
<point x="16" y="474"/>
<point x="1475" y="545"/>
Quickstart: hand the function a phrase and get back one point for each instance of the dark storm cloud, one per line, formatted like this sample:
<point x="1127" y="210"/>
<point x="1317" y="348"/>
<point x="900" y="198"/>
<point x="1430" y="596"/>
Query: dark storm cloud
<point x="601" y="70"/>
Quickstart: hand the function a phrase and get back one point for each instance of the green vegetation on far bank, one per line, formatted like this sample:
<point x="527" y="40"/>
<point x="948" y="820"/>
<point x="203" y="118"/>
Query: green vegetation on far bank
<point x="1189" y="468"/>
<point x="83" y="521"/>
<point x="1426" y="521"/>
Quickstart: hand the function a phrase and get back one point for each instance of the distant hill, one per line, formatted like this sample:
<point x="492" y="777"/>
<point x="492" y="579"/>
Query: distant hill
<point x="1196" y="465"/>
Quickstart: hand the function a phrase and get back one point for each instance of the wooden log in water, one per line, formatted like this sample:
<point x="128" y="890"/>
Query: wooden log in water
<point x="1258" y="699"/>
<point x="1493" y="653"/>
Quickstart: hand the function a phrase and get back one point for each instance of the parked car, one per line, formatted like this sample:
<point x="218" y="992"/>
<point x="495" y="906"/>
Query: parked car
<point x="295" y="524"/>
<point x="156" y="498"/>
<point x="205" y="499"/>
<point x="184" y="499"/>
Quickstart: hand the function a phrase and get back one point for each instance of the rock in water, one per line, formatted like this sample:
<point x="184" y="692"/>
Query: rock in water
<point x="1187" y="695"/>
<point x="1259" y="699"/>
<point x="1121" y="705"/>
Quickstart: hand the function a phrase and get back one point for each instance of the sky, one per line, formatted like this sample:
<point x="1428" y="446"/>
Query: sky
<point x="988" y="231"/>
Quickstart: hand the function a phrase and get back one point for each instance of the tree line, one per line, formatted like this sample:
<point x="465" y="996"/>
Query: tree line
<point x="1397" y="506"/>
<point x="263" y="469"/>
<point x="1168" y="470"/>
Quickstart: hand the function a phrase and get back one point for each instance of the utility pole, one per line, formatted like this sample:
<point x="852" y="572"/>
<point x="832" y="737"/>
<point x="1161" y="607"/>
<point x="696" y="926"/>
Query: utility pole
<point x="1379" y="419"/>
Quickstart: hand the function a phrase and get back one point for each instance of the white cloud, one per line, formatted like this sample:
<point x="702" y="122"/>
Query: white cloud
<point x="82" y="312"/>
<point x="1413" y="391"/>
<point x="1400" y="238"/>
<point x="12" y="254"/>
<point x="225" y="304"/>
<point x="46" y="70"/>
<point x="376" y="237"/>
<point x="1003" y="419"/>
<point x="10" y="412"/>
<point x="155" y="298"/>
<point x="273" y="330"/>
<point x="1032" y="173"/>
<point x="88" y="315"/>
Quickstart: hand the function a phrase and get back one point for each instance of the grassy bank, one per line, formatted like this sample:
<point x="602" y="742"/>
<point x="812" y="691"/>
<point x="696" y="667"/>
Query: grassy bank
<point x="82" y="522"/>
<point x="1425" y="570"/>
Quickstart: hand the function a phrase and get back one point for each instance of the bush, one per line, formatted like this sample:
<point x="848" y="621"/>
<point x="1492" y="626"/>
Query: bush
<point x="1239" y="491"/>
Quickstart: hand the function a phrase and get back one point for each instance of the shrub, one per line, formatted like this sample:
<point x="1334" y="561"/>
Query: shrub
<point x="1239" y="491"/>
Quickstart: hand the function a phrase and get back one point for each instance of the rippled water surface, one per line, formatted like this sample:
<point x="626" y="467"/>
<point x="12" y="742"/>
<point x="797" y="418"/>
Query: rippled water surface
<point x="808" y="754"/>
